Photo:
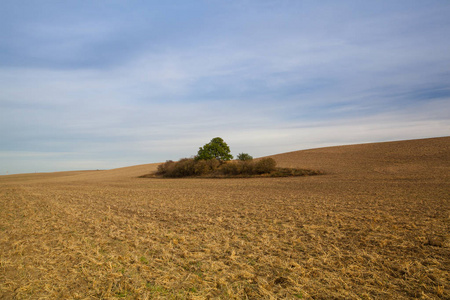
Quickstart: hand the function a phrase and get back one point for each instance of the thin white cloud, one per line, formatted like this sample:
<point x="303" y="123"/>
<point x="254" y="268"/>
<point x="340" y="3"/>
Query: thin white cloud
<point x="267" y="77"/>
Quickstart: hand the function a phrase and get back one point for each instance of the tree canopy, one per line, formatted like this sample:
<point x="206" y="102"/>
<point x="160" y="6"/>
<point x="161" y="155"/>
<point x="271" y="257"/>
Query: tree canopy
<point x="216" y="148"/>
<point x="244" y="157"/>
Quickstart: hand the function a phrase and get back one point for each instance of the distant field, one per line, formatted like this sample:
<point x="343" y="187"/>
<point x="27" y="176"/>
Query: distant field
<point x="376" y="226"/>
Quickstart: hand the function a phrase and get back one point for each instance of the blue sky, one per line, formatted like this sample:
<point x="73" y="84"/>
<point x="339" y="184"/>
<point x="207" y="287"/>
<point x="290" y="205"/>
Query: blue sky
<point x="105" y="84"/>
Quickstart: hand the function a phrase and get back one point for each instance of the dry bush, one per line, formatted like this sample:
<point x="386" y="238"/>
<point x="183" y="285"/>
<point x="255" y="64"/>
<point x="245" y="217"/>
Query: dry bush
<point x="231" y="168"/>
<point x="201" y="167"/>
<point x="265" y="165"/>
<point x="249" y="167"/>
<point x="165" y="168"/>
<point x="213" y="164"/>
<point x="187" y="167"/>
<point x="183" y="168"/>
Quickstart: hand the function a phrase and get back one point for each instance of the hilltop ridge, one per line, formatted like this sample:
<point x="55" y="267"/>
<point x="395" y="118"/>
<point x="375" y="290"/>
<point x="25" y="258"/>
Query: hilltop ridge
<point x="421" y="157"/>
<point x="415" y="157"/>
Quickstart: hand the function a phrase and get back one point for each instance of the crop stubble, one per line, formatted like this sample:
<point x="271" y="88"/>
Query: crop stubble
<point x="375" y="226"/>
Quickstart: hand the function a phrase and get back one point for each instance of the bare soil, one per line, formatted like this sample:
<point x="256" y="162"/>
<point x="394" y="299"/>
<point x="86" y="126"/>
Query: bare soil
<point x="376" y="226"/>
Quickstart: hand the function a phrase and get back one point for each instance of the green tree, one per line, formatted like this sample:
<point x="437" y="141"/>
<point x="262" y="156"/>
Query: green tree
<point x="217" y="149"/>
<point x="244" y="157"/>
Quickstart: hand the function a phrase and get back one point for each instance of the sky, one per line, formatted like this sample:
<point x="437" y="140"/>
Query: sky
<point x="107" y="84"/>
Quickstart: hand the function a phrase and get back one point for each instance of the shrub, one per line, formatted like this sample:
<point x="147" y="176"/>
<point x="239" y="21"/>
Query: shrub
<point x="184" y="167"/>
<point x="265" y="165"/>
<point x="187" y="167"/>
<point x="244" y="157"/>
<point x="247" y="167"/>
<point x="213" y="164"/>
<point x="201" y="167"/>
<point x="231" y="168"/>
<point x="165" y="167"/>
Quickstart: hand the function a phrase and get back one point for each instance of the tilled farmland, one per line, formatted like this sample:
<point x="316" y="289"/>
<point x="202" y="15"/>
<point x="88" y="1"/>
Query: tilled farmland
<point x="374" y="226"/>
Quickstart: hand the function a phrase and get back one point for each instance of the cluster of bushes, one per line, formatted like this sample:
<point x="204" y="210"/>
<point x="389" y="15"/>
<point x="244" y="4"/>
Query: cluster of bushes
<point x="213" y="160"/>
<point x="187" y="167"/>
<point x="249" y="167"/>
<point x="213" y="167"/>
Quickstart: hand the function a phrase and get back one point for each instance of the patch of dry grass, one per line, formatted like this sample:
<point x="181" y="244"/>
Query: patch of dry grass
<point x="377" y="232"/>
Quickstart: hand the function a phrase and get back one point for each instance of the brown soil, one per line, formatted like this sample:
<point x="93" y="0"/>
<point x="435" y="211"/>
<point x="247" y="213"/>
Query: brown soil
<point x="376" y="226"/>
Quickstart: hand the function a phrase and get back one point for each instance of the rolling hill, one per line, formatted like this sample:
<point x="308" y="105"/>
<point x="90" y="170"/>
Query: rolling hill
<point x="375" y="226"/>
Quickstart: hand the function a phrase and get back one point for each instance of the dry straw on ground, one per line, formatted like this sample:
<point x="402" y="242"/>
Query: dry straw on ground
<point x="375" y="227"/>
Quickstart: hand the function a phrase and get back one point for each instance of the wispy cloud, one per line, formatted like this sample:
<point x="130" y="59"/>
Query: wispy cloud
<point x="125" y="83"/>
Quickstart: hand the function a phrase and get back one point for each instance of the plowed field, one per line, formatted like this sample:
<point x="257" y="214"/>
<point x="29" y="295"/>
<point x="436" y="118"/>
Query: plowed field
<point x="375" y="226"/>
